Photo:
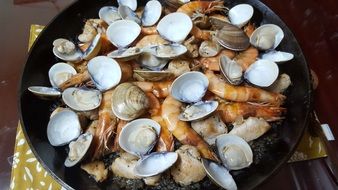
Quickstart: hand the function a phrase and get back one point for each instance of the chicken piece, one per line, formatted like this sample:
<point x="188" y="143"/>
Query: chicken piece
<point x="124" y="166"/>
<point x="96" y="169"/>
<point x="251" y="128"/>
<point x="188" y="168"/>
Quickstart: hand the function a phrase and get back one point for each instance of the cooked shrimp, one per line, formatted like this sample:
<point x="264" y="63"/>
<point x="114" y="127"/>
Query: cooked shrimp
<point x="248" y="29"/>
<point x="212" y="63"/>
<point x="181" y="130"/>
<point x="127" y="70"/>
<point x="241" y="93"/>
<point x="201" y="34"/>
<point x="75" y="80"/>
<point x="106" y="125"/>
<point x="230" y="112"/>
<point x="203" y="7"/>
<point x="246" y="57"/>
<point x="150" y="40"/>
<point x="159" y="89"/>
<point x="116" y="145"/>
<point x="149" y="30"/>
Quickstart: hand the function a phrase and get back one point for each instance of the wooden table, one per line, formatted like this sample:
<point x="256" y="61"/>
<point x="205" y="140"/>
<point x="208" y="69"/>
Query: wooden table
<point x="314" y="23"/>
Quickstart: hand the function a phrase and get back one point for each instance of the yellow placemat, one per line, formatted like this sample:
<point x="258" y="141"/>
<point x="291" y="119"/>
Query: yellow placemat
<point x="27" y="173"/>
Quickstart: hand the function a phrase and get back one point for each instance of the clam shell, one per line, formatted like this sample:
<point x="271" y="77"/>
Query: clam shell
<point x="167" y="51"/>
<point x="189" y="87"/>
<point x="198" y="111"/>
<point x="127" y="13"/>
<point x="218" y="21"/>
<point x="63" y="127"/>
<point x="109" y="14"/>
<point x="267" y="36"/>
<point x="105" y="72"/>
<point x="81" y="99"/>
<point x="155" y="163"/>
<point x="44" y="92"/>
<point x="240" y="15"/>
<point x="85" y="140"/>
<point x="132" y="4"/>
<point x="234" y="151"/>
<point x="149" y="61"/>
<point x="232" y="37"/>
<point x="139" y="136"/>
<point x="123" y="32"/>
<point x="277" y="56"/>
<point x="262" y="73"/>
<point x="231" y="70"/>
<point x="146" y="75"/>
<point x="129" y="101"/>
<point x="209" y="49"/>
<point x="152" y="13"/>
<point x="59" y="73"/>
<point x="93" y="49"/>
<point x="74" y="56"/>
<point x="175" y="27"/>
<point x="126" y="54"/>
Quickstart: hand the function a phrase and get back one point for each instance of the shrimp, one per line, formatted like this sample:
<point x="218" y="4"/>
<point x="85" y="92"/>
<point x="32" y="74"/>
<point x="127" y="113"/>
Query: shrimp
<point x="127" y="70"/>
<point x="150" y="40"/>
<point x="202" y="7"/>
<point x="248" y="29"/>
<point x="116" y="145"/>
<point x="159" y="89"/>
<point x="105" y="127"/>
<point x="201" y="34"/>
<point x="246" y="57"/>
<point x="181" y="129"/>
<point x="149" y="30"/>
<point x="231" y="112"/>
<point x="241" y="93"/>
<point x="76" y="80"/>
<point x="212" y="63"/>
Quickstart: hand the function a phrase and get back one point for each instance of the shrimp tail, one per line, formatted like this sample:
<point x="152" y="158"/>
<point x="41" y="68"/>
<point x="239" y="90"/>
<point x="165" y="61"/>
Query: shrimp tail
<point x="75" y="80"/>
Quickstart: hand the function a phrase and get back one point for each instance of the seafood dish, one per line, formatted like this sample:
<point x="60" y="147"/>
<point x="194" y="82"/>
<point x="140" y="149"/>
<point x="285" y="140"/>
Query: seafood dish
<point x="146" y="94"/>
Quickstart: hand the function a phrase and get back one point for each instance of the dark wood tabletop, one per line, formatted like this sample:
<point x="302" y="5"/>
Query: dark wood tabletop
<point x="314" y="24"/>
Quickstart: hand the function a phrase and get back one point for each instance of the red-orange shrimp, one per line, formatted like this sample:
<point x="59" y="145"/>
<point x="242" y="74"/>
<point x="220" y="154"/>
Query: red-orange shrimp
<point x="203" y="7"/>
<point x="246" y="57"/>
<point x="75" y="80"/>
<point x="116" y="145"/>
<point x="212" y="63"/>
<point x="149" y="30"/>
<point x="159" y="89"/>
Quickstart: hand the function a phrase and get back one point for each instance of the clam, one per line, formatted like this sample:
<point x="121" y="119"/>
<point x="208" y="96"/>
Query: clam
<point x="277" y="56"/>
<point x="240" y="15"/>
<point x="218" y="21"/>
<point x="129" y="101"/>
<point x="126" y="54"/>
<point x="281" y="84"/>
<point x="81" y="99"/>
<point x="123" y="32"/>
<point x="146" y="75"/>
<point x="198" y="111"/>
<point x="234" y="152"/>
<point x="109" y="14"/>
<point x="231" y="70"/>
<point x="219" y="174"/>
<point x="190" y="87"/>
<point x="152" y="13"/>
<point x="105" y="72"/>
<point x="167" y="51"/>
<point x="132" y="4"/>
<point x="139" y="136"/>
<point x="232" y="37"/>
<point x="63" y="127"/>
<point x="93" y="49"/>
<point x="127" y="13"/>
<point x="155" y="163"/>
<point x="45" y="92"/>
<point x="209" y="48"/>
<point x="78" y="149"/>
<point x="262" y="73"/>
<point x="178" y="67"/>
<point x="59" y="73"/>
<point x="66" y="50"/>
<point x="175" y="27"/>
<point x="267" y="36"/>
<point x="150" y="61"/>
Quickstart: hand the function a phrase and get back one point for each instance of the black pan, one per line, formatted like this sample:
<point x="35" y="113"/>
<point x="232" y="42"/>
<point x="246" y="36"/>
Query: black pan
<point x="68" y="24"/>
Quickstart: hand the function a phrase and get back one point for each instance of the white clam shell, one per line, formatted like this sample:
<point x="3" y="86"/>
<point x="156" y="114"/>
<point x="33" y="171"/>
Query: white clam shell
<point x="126" y="54"/>
<point x="240" y="15"/>
<point x="155" y="163"/>
<point x="44" y="92"/>
<point x="132" y="132"/>
<point x="149" y="61"/>
<point x="105" y="72"/>
<point x="238" y="152"/>
<point x="199" y="110"/>
<point x="93" y="49"/>
<point x="59" y="73"/>
<point x="109" y="14"/>
<point x="73" y="57"/>
<point x="262" y="73"/>
<point x="189" y="87"/>
<point x="80" y="99"/>
<point x="123" y="32"/>
<point x="267" y="36"/>
<point x="175" y="27"/>
<point x="63" y="127"/>
<point x="152" y="13"/>
<point x="167" y="51"/>
<point x="85" y="140"/>
<point x="129" y="3"/>
<point x="277" y="56"/>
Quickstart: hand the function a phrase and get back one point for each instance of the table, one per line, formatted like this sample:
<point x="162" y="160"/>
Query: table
<point x="313" y="22"/>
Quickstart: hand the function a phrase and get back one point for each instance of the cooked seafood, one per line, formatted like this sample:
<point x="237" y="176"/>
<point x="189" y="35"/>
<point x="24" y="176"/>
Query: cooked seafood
<point x="96" y="169"/>
<point x="250" y="129"/>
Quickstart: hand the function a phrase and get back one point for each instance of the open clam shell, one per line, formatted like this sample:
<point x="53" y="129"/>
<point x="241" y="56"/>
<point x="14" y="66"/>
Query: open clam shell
<point x="126" y="54"/>
<point x="240" y="15"/>
<point x="132" y="4"/>
<point x="167" y="51"/>
<point x="45" y="92"/>
<point x="93" y="49"/>
<point x="231" y="70"/>
<point x="152" y="13"/>
<point x="267" y="36"/>
<point x="146" y="75"/>
<point x="63" y="127"/>
<point x="262" y="73"/>
<point x="109" y="14"/>
<point x="59" y="73"/>
<point x="234" y="152"/>
<point x="78" y="149"/>
<point x="123" y="32"/>
<point x="150" y="61"/>
<point x="139" y="136"/>
<point x="232" y="37"/>
<point x="127" y="13"/>
<point x="209" y="49"/>
<point x="219" y="174"/>
<point x="199" y="110"/>
<point x="175" y="27"/>
<point x="155" y="163"/>
<point x="66" y="50"/>
<point x="105" y="72"/>
<point x="81" y="99"/>
<point x="189" y="87"/>
<point x="277" y="56"/>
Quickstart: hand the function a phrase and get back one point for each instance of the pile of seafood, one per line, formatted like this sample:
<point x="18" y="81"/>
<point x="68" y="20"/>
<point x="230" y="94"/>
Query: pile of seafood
<point x="177" y="88"/>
